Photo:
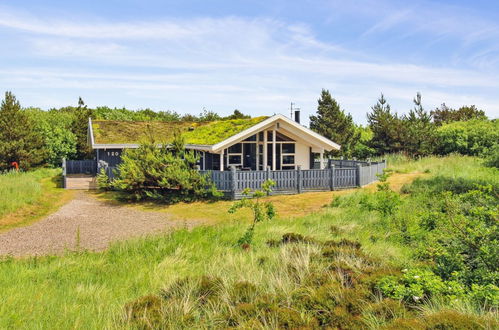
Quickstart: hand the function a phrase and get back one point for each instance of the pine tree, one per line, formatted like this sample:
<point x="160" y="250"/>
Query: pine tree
<point x="19" y="140"/>
<point x="419" y="130"/>
<point x="387" y="128"/>
<point x="332" y="122"/>
<point x="79" y="128"/>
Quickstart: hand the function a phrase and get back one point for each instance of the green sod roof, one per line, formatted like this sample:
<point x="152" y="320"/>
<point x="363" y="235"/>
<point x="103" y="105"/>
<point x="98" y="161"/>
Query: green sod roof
<point x="203" y="133"/>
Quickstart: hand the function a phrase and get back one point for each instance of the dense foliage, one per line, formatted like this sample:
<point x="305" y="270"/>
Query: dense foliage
<point x="20" y="143"/>
<point x="167" y="173"/>
<point x="475" y="137"/>
<point x="444" y="114"/>
<point x="332" y="122"/>
<point x="341" y="266"/>
<point x="49" y="136"/>
<point x="442" y="131"/>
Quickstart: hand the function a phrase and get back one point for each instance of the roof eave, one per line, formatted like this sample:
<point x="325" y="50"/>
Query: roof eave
<point x="325" y="142"/>
<point x="199" y="147"/>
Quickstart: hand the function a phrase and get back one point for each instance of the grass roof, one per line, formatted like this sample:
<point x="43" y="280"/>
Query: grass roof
<point x="206" y="133"/>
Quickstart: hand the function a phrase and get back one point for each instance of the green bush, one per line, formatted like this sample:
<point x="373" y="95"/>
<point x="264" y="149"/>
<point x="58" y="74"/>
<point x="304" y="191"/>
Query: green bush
<point x="416" y="285"/>
<point x="492" y="158"/>
<point x="474" y="137"/>
<point x="167" y="173"/>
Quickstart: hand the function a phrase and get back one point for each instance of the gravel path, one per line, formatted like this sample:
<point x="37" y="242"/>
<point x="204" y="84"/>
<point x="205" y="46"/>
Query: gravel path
<point x="98" y="224"/>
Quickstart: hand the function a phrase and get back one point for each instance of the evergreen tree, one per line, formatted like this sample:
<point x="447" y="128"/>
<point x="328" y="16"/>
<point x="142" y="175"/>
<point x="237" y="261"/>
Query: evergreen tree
<point x="79" y="128"/>
<point x="19" y="141"/>
<point x="419" y="132"/>
<point x="387" y="128"/>
<point x="332" y="122"/>
<point x="444" y="114"/>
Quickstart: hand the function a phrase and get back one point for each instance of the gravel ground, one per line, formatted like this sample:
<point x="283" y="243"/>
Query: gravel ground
<point x="97" y="222"/>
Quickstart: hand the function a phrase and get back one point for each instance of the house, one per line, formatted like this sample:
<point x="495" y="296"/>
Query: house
<point x="236" y="154"/>
<point x="276" y="142"/>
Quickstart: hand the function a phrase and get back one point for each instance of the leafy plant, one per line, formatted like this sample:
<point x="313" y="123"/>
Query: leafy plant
<point x="385" y="200"/>
<point x="162" y="172"/>
<point x="261" y="211"/>
<point x="418" y="285"/>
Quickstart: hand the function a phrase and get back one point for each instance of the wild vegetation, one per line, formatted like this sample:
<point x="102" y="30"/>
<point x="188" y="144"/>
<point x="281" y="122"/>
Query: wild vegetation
<point x="166" y="174"/>
<point x="343" y="266"/>
<point x="33" y="137"/>
<point x="26" y="196"/>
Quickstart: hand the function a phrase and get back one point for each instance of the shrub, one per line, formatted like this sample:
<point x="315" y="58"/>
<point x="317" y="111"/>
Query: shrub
<point x="452" y="320"/>
<point x="387" y="310"/>
<point x="261" y="211"/>
<point x="404" y="324"/>
<point x="474" y="137"/>
<point x="243" y="292"/>
<point x="145" y="312"/>
<point x="492" y="159"/>
<point x="164" y="173"/>
<point x="385" y="201"/>
<point x="416" y="285"/>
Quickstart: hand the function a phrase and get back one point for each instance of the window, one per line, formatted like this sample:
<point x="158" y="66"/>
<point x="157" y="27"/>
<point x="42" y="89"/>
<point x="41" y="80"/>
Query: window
<point x="235" y="160"/>
<point x="282" y="137"/>
<point x="288" y="167"/>
<point x="236" y="149"/>
<point x="235" y="155"/>
<point x="288" y="159"/>
<point x="288" y="148"/>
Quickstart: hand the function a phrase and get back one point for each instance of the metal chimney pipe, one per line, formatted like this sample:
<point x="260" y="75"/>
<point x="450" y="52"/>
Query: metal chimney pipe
<point x="297" y="116"/>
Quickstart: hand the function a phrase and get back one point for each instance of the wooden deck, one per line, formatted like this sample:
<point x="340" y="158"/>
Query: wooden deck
<point x="80" y="182"/>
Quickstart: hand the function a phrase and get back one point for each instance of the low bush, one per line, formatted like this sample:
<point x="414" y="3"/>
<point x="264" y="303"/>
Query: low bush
<point x="166" y="174"/>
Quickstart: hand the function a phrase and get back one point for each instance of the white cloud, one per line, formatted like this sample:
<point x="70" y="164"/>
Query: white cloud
<point x="258" y="65"/>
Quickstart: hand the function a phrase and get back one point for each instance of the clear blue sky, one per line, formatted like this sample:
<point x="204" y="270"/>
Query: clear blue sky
<point x="256" y="56"/>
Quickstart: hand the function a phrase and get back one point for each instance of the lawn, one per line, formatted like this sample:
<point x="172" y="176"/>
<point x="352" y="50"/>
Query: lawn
<point x="288" y="206"/>
<point x="28" y="196"/>
<point x="136" y="283"/>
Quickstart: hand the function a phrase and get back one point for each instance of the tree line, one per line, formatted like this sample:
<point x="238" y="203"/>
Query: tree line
<point x="444" y="130"/>
<point x="32" y="137"/>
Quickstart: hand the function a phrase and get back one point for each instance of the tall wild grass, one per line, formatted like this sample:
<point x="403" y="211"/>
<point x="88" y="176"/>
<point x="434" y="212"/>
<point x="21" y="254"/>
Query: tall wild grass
<point x="18" y="189"/>
<point x="207" y="281"/>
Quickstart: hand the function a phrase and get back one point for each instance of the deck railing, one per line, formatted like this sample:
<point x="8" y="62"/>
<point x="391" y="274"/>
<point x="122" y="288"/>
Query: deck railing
<point x="338" y="175"/>
<point x="233" y="182"/>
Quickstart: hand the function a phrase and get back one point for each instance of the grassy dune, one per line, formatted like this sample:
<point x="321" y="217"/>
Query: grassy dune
<point x="122" y="287"/>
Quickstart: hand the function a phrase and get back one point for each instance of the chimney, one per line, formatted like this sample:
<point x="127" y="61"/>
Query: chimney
<point x="297" y="116"/>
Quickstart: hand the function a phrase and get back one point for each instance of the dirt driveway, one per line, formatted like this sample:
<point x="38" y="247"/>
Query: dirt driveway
<point x="85" y="223"/>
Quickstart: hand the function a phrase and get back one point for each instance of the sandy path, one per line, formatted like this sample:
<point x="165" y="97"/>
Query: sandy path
<point x="96" y="223"/>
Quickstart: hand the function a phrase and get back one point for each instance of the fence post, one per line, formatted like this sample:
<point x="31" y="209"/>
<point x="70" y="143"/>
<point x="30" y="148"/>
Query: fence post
<point x="359" y="169"/>
<point x="331" y="177"/>
<point x="233" y="182"/>
<point x="64" y="172"/>
<point x="298" y="179"/>
<point x="267" y="177"/>
<point x="371" y="179"/>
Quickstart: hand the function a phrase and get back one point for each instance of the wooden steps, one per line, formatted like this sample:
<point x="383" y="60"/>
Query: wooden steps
<point x="80" y="182"/>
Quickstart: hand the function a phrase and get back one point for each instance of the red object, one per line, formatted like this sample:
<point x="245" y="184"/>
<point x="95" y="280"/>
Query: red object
<point x="15" y="165"/>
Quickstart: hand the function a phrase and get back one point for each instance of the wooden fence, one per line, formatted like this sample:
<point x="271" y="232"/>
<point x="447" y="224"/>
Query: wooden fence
<point x="340" y="174"/>
<point x="233" y="182"/>
<point x="79" y="167"/>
